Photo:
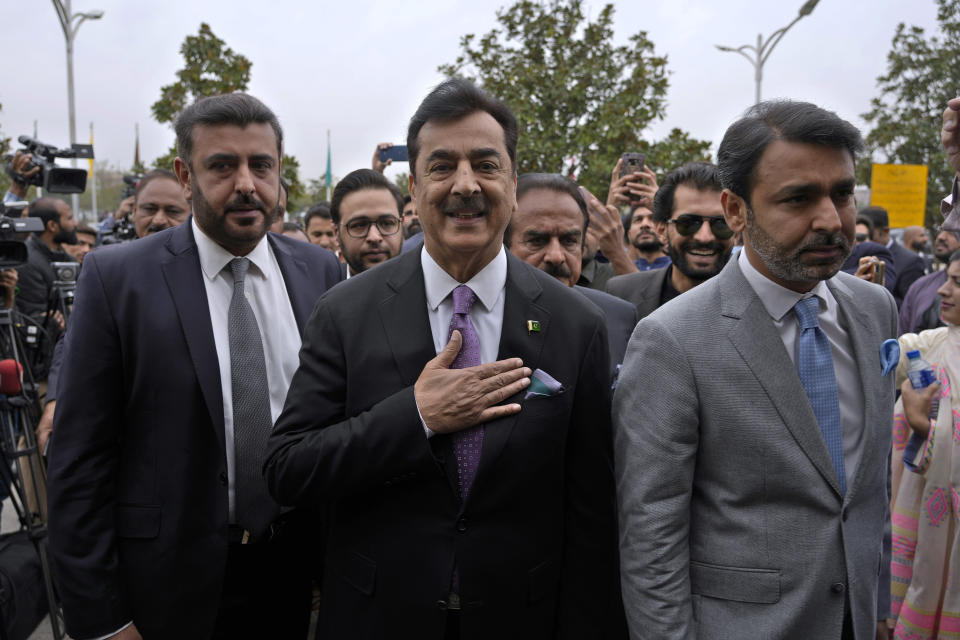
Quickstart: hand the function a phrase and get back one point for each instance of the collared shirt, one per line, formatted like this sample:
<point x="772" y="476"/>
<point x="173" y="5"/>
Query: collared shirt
<point x="486" y="314"/>
<point x="266" y="292"/>
<point x="594" y="274"/>
<point x="779" y="302"/>
<point x="658" y="263"/>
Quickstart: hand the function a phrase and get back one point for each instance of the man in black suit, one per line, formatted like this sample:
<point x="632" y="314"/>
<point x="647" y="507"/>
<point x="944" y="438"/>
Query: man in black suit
<point x="179" y="355"/>
<point x="548" y="231"/>
<point x="448" y="411"/>
<point x="688" y="212"/>
<point x="909" y="265"/>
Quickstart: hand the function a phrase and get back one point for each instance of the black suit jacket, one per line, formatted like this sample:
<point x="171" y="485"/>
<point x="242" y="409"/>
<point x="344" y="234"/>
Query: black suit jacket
<point x="909" y="268"/>
<point x="621" y="319"/>
<point x="643" y="289"/>
<point x="534" y="542"/>
<point x="137" y="473"/>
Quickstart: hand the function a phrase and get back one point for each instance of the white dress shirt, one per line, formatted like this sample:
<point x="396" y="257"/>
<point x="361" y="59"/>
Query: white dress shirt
<point x="486" y="313"/>
<point x="267" y="294"/>
<point x="779" y="302"/>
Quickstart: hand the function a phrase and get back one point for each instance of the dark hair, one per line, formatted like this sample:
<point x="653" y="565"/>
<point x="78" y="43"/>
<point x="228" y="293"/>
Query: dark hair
<point x="45" y="208"/>
<point x="701" y="176"/>
<point x="877" y="215"/>
<point x="552" y="182"/>
<point x="150" y="177"/>
<point x="865" y="220"/>
<point x="745" y="141"/>
<point x="238" y="109"/>
<point x="358" y="180"/>
<point x="291" y="226"/>
<point x="407" y="199"/>
<point x="85" y="228"/>
<point x="453" y="99"/>
<point x="317" y="210"/>
<point x="954" y="257"/>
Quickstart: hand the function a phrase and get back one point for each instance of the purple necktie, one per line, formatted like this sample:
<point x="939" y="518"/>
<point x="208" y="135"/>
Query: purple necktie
<point x="467" y="442"/>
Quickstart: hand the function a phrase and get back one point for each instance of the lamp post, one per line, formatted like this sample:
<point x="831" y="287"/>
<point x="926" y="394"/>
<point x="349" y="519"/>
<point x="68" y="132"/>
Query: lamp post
<point x="70" y="23"/>
<point x="762" y="50"/>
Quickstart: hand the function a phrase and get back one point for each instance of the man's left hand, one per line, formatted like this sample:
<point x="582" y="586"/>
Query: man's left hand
<point x="950" y="134"/>
<point x="8" y="282"/>
<point x="606" y="228"/>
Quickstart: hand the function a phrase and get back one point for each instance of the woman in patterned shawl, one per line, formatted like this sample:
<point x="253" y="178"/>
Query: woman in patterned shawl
<point x="926" y="466"/>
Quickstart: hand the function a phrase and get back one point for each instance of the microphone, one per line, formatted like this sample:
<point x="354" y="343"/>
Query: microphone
<point x="11" y="377"/>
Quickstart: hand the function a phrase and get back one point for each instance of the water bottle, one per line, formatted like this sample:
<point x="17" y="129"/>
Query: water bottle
<point x="922" y="375"/>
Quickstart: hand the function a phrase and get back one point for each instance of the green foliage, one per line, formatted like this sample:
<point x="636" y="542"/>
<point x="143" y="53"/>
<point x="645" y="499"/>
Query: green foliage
<point x="402" y="180"/>
<point x="922" y="75"/>
<point x="580" y="100"/>
<point x="110" y="187"/>
<point x="4" y="150"/>
<point x="210" y="68"/>
<point x="298" y="192"/>
<point x="317" y="190"/>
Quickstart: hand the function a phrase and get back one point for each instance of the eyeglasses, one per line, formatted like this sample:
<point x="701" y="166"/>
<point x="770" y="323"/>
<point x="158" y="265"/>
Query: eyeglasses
<point x="689" y="223"/>
<point x="861" y="237"/>
<point x="360" y="227"/>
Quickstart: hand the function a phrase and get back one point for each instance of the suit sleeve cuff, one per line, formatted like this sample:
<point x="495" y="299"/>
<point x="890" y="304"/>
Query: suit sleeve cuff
<point x="426" y="430"/>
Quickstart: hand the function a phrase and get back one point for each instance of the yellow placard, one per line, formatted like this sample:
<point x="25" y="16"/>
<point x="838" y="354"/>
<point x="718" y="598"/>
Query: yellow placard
<point x="901" y="189"/>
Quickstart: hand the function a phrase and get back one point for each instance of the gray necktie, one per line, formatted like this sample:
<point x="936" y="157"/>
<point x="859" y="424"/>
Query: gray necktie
<point x="255" y="510"/>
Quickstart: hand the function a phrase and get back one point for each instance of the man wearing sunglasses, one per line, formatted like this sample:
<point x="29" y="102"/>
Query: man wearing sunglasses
<point x="366" y="211"/>
<point x="687" y="212"/>
<point x="753" y="416"/>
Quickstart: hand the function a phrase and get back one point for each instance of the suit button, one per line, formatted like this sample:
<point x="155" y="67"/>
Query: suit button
<point x="837" y="587"/>
<point x="845" y="515"/>
<point x="442" y="604"/>
<point x="223" y="478"/>
<point x="461" y="525"/>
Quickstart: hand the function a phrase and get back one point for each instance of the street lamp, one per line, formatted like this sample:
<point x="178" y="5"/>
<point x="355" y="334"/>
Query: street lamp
<point x="762" y="51"/>
<point x="70" y="23"/>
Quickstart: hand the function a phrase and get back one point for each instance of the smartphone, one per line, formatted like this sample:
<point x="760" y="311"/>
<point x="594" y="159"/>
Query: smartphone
<point x="631" y="163"/>
<point x="397" y="153"/>
<point x="879" y="272"/>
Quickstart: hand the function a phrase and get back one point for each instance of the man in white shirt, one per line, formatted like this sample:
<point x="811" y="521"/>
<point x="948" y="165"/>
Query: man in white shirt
<point x="753" y="415"/>
<point x="180" y="351"/>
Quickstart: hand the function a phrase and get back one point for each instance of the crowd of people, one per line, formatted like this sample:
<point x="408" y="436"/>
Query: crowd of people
<point x="499" y="407"/>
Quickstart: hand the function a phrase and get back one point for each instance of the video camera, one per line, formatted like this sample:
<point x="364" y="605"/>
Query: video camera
<point x="51" y="177"/>
<point x="13" y="253"/>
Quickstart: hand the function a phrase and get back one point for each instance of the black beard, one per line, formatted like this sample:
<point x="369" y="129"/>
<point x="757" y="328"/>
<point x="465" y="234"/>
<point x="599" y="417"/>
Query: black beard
<point x="678" y="256"/>
<point x="647" y="246"/>
<point x="66" y="237"/>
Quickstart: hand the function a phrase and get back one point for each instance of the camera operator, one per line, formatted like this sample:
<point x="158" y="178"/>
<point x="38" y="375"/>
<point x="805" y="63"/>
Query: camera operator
<point x="20" y="175"/>
<point x="43" y="248"/>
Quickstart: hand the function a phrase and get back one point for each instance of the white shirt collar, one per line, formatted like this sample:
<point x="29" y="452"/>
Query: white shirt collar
<point x="488" y="284"/>
<point x="213" y="257"/>
<point x="777" y="299"/>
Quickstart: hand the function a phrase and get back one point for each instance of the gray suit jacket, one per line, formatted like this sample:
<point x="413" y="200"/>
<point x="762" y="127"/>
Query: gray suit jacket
<point x="732" y="524"/>
<point x="643" y="289"/>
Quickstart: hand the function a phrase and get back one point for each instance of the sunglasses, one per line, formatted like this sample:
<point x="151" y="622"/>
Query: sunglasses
<point x="688" y="224"/>
<point x="861" y="237"/>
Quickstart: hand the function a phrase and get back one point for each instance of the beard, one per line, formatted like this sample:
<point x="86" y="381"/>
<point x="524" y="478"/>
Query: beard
<point x="245" y="235"/>
<point x="786" y="264"/>
<point x="66" y="237"/>
<point x="412" y="229"/>
<point x="678" y="256"/>
<point x="646" y="246"/>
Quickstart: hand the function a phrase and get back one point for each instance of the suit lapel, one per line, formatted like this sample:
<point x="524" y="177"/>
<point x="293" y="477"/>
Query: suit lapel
<point x="756" y="339"/>
<point x="521" y="293"/>
<point x="184" y="279"/>
<point x="404" y="317"/>
<point x="294" y="271"/>
<point x="866" y="344"/>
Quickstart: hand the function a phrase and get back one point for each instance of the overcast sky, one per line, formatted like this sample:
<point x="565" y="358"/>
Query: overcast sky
<point x="360" y="68"/>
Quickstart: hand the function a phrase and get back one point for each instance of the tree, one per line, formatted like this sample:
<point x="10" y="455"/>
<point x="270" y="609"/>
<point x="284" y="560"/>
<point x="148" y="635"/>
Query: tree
<point x="580" y="100"/>
<point x="402" y="180"/>
<point x="922" y="74"/>
<point x="298" y="192"/>
<point x="210" y="68"/>
<point x="4" y="150"/>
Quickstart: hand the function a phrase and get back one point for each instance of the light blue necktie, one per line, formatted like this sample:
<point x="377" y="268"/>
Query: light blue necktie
<point x="815" y="366"/>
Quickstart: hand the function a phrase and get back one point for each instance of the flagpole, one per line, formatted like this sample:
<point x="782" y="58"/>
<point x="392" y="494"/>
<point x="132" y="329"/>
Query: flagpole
<point x="328" y="177"/>
<point x="93" y="176"/>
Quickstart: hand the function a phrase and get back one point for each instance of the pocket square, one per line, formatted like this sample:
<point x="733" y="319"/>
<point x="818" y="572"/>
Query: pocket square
<point x="889" y="356"/>
<point x="543" y="384"/>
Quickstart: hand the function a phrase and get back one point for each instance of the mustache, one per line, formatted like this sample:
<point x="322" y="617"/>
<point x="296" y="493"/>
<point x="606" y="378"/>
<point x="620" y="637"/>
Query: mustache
<point x="154" y="228"/>
<point x="826" y="240"/>
<point x="245" y="201"/>
<point x="557" y="270"/>
<point x="703" y="246"/>
<point x="475" y="204"/>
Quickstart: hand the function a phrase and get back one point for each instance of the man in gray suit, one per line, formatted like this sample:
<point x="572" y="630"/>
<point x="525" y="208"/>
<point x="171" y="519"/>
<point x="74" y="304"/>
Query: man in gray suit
<point x="752" y="486"/>
<point x="687" y="212"/>
<point x="549" y="230"/>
